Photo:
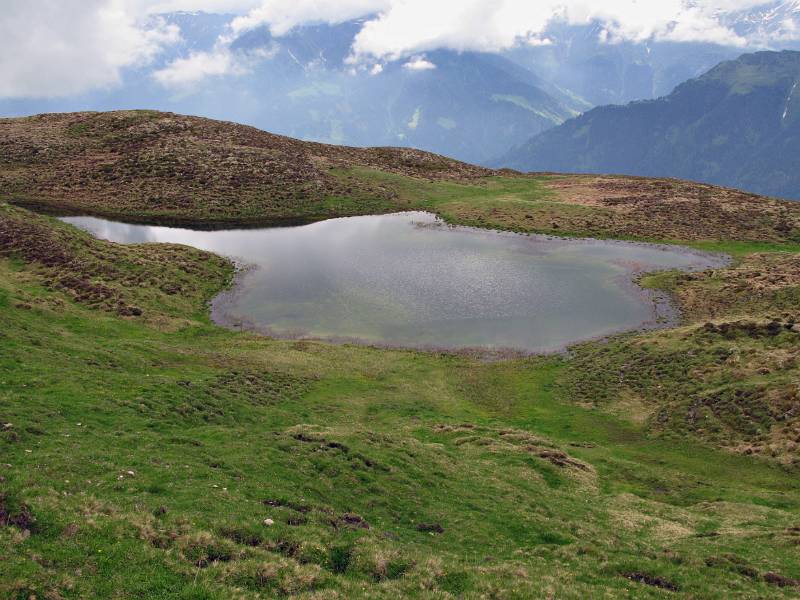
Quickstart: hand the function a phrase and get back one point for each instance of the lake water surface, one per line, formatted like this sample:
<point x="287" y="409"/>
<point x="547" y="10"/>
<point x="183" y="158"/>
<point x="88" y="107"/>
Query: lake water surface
<point x="407" y="279"/>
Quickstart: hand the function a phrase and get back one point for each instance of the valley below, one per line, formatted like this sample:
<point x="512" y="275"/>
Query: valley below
<point x="147" y="452"/>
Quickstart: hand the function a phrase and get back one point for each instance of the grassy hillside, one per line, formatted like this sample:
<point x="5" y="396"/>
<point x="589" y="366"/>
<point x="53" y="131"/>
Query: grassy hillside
<point x="148" y="453"/>
<point x="152" y="165"/>
<point x="146" y="165"/>
<point x="143" y="454"/>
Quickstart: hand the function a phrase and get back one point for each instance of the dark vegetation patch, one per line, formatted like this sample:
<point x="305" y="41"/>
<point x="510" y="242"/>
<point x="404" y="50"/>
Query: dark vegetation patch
<point x="296" y="506"/>
<point x="733" y="563"/>
<point x="339" y="558"/>
<point x="16" y="514"/>
<point x="245" y="536"/>
<point x="779" y="580"/>
<point x="430" y="528"/>
<point x="652" y="580"/>
<point x="350" y="521"/>
<point x="455" y="582"/>
<point x="320" y="443"/>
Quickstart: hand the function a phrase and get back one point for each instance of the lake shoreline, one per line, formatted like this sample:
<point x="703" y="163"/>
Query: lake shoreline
<point x="665" y="311"/>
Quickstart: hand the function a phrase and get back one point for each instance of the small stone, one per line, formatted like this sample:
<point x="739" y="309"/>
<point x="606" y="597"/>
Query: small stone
<point x="131" y="473"/>
<point x="269" y="522"/>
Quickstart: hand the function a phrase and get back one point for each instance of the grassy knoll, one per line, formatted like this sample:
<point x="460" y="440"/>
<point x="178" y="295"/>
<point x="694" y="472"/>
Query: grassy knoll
<point x="628" y="208"/>
<point x="142" y="451"/>
<point x="152" y="166"/>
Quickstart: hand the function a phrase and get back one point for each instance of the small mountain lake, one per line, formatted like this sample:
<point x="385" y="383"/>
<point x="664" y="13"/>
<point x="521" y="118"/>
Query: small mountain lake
<point x="408" y="279"/>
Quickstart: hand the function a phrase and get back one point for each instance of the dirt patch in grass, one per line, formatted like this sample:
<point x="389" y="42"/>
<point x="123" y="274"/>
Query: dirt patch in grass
<point x="350" y="521"/>
<point x="779" y="580"/>
<point x="430" y="528"/>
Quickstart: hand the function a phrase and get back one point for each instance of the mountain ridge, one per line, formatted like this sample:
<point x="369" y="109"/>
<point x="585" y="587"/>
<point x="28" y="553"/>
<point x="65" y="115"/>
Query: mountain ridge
<point x="737" y="125"/>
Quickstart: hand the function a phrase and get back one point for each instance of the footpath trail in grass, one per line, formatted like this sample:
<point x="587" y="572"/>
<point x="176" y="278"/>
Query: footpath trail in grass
<point x="148" y="453"/>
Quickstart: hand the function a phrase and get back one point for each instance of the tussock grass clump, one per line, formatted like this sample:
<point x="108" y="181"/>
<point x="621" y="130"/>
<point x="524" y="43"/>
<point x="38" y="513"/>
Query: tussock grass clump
<point x="731" y="384"/>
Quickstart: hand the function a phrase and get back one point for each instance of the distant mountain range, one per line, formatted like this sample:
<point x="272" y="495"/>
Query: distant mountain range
<point x="466" y="105"/>
<point x="771" y="23"/>
<point x="737" y="125"/>
<point x="600" y="73"/>
<point x="469" y="105"/>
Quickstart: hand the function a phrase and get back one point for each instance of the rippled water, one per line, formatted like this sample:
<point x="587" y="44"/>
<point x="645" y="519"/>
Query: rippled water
<point x="407" y="279"/>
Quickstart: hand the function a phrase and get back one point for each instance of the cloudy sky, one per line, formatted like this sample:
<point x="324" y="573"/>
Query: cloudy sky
<point x="67" y="47"/>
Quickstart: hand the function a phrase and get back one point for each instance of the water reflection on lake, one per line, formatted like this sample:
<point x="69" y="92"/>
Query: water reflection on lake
<point x="406" y="279"/>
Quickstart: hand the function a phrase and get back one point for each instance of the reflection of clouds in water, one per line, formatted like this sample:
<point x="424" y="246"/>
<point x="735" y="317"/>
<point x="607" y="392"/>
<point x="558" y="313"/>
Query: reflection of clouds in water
<point x="386" y="277"/>
<point x="115" y="232"/>
<point x="645" y="256"/>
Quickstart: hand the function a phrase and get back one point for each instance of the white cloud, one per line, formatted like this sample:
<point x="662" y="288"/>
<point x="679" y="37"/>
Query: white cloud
<point x="280" y="16"/>
<point x="221" y="61"/>
<point x="409" y="27"/>
<point x="198" y="66"/>
<point x="63" y="47"/>
<point x="419" y="63"/>
<point x="283" y="15"/>
<point x="405" y="29"/>
<point x="210" y="6"/>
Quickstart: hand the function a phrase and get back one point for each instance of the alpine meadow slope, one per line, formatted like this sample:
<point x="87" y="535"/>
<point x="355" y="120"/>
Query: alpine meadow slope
<point x="149" y="453"/>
